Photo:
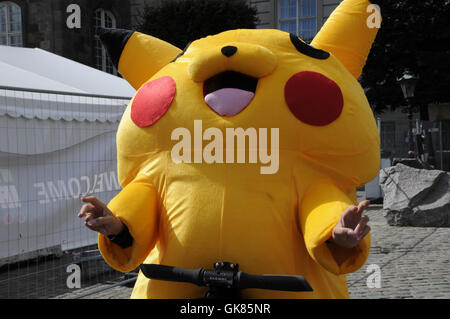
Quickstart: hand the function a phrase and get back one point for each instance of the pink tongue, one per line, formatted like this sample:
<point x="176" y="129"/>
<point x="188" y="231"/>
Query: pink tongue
<point x="228" y="101"/>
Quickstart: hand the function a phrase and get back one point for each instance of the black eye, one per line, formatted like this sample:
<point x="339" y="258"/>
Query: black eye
<point x="308" y="50"/>
<point x="184" y="50"/>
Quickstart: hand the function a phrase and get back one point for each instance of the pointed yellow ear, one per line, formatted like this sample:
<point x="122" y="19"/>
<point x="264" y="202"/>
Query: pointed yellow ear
<point x="143" y="56"/>
<point x="137" y="56"/>
<point x="349" y="33"/>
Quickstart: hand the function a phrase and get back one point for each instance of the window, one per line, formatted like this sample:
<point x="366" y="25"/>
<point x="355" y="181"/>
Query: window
<point x="105" y="19"/>
<point x="298" y="17"/>
<point x="10" y="24"/>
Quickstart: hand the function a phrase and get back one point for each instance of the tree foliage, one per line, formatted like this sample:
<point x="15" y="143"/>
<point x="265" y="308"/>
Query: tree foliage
<point x="415" y="36"/>
<point x="182" y="21"/>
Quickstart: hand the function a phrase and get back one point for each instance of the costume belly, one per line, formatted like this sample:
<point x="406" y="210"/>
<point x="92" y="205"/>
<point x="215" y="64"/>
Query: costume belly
<point x="223" y="214"/>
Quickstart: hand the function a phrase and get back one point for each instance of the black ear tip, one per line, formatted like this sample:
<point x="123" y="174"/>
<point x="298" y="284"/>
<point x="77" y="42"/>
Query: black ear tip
<point x="114" y="40"/>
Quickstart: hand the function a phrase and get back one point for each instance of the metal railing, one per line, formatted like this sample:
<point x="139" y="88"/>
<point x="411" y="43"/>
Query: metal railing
<point x="54" y="148"/>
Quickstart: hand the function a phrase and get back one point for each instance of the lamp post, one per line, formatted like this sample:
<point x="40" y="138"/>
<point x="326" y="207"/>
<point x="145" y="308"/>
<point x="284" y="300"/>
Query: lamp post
<point x="408" y="83"/>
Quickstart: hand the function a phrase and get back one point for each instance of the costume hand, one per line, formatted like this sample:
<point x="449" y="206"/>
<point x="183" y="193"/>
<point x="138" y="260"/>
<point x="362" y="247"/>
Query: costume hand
<point x="352" y="226"/>
<point x="99" y="218"/>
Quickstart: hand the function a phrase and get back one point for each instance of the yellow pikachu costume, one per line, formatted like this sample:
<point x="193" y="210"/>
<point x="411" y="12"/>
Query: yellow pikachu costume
<point x="190" y="198"/>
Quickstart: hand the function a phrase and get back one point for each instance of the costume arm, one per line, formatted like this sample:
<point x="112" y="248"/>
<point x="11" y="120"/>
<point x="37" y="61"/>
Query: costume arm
<point x="136" y="206"/>
<point x="322" y="205"/>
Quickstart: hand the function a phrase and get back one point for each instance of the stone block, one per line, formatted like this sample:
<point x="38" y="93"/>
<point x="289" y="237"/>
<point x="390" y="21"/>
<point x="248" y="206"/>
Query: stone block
<point x="415" y="197"/>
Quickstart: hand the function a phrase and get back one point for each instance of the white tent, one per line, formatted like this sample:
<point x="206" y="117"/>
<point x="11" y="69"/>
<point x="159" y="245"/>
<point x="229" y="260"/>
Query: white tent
<point x="39" y="69"/>
<point x="58" y="120"/>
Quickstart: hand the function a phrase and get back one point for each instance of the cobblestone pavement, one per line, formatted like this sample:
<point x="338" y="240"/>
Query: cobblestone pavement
<point x="47" y="276"/>
<point x="118" y="292"/>
<point x="414" y="262"/>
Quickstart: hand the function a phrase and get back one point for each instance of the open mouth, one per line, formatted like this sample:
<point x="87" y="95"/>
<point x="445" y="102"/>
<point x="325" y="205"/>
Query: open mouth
<point x="229" y="92"/>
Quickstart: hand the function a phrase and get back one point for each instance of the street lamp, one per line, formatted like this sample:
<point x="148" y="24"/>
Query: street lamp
<point x="408" y="83"/>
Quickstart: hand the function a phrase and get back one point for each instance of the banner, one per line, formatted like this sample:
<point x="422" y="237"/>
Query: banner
<point x="40" y="196"/>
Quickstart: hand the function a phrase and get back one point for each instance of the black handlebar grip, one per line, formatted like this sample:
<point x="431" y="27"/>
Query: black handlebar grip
<point x="170" y="273"/>
<point x="273" y="282"/>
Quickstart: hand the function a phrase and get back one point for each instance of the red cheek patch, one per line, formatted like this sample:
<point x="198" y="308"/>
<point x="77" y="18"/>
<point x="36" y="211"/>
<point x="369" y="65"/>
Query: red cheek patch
<point x="152" y="101"/>
<point x="313" y="98"/>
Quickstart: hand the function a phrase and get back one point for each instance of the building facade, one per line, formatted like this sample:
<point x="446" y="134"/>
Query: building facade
<point x="302" y="17"/>
<point x="46" y="24"/>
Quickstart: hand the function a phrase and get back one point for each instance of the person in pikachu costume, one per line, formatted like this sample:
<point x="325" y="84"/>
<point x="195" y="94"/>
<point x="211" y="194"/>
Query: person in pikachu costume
<point x="188" y="202"/>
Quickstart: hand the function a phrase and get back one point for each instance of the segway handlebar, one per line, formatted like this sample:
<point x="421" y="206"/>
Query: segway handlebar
<point x="170" y="273"/>
<point x="225" y="275"/>
<point x="273" y="282"/>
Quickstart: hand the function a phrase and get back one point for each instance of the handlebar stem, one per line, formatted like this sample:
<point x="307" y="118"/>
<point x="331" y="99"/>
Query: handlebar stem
<point x="222" y="281"/>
